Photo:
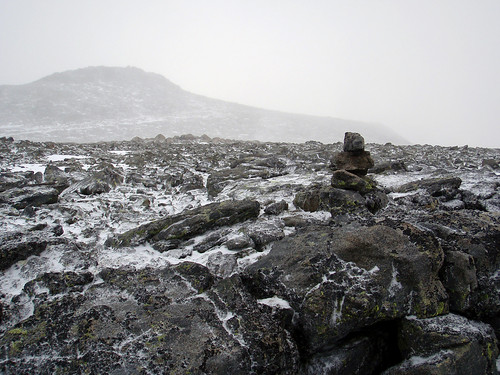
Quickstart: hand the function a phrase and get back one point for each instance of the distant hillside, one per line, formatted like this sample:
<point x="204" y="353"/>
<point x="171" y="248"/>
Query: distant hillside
<point x="107" y="103"/>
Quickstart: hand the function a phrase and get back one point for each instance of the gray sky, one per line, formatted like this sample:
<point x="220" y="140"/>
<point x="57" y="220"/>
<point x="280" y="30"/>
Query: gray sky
<point x="430" y="69"/>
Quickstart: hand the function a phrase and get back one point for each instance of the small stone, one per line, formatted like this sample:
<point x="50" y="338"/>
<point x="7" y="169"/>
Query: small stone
<point x="239" y="242"/>
<point x="276" y="208"/>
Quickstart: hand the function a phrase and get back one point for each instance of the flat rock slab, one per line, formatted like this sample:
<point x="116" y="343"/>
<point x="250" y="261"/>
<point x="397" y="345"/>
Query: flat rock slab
<point x="37" y="195"/>
<point x="189" y="223"/>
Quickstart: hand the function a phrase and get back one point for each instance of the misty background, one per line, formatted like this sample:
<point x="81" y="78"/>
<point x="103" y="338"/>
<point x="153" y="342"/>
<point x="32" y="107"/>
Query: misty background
<point x="427" y="69"/>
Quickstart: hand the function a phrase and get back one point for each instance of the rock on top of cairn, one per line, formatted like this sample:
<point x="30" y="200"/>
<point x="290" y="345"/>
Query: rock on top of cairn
<point x="354" y="158"/>
<point x="353" y="142"/>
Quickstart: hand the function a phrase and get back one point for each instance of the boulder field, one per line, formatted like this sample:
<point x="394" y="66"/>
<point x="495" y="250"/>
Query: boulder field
<point x="192" y="255"/>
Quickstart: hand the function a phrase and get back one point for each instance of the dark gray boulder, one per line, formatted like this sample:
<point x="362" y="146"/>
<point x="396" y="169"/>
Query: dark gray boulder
<point x="492" y="163"/>
<point x="265" y="233"/>
<point x="389" y="166"/>
<point x="54" y="174"/>
<point x="276" y="208"/>
<point x="448" y="344"/>
<point x="342" y="179"/>
<point x="34" y="195"/>
<point x="358" y="163"/>
<point x="240" y="241"/>
<point x="459" y="276"/>
<point x="189" y="223"/>
<point x="184" y="179"/>
<point x="327" y="198"/>
<point x="59" y="282"/>
<point x="16" y="246"/>
<point x="219" y="179"/>
<point x="471" y="243"/>
<point x="440" y="186"/>
<point x="216" y="238"/>
<point x="102" y="179"/>
<point x="340" y="280"/>
<point x="369" y="352"/>
<point x="376" y="200"/>
<point x="353" y="142"/>
<point x="9" y="180"/>
<point x="271" y="162"/>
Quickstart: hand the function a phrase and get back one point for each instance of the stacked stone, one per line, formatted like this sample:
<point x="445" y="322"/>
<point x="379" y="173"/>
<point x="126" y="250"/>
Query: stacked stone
<point x="354" y="158"/>
<point x="352" y="165"/>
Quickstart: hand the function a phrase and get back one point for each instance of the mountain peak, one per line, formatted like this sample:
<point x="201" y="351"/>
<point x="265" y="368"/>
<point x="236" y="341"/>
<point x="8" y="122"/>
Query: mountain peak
<point x="120" y="75"/>
<point x="118" y="103"/>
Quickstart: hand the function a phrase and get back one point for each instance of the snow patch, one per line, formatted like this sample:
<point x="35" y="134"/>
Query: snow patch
<point x="337" y="310"/>
<point x="29" y="167"/>
<point x="275" y="302"/>
<point x="395" y="285"/>
<point x="56" y="157"/>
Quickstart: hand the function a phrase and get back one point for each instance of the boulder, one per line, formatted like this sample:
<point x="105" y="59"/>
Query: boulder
<point x="184" y="179"/>
<point x="239" y="241"/>
<point x="342" y="179"/>
<point x="342" y="280"/>
<point x="389" y="166"/>
<point x="459" y="277"/>
<point x="272" y="162"/>
<point x="16" y="246"/>
<point x="216" y="238"/>
<point x="471" y="243"/>
<point x="448" y="344"/>
<point x="103" y="179"/>
<point x="353" y="142"/>
<point x="326" y="198"/>
<point x="219" y="179"/>
<point x="59" y="282"/>
<point x="276" y="208"/>
<point x="358" y="163"/>
<point x="436" y="187"/>
<point x="36" y="195"/>
<point x="267" y="232"/>
<point x="376" y="200"/>
<point x="54" y="174"/>
<point x="492" y="163"/>
<point x="9" y="180"/>
<point x="189" y="223"/>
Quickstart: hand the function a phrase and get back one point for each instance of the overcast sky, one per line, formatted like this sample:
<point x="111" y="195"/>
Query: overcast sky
<point x="430" y="69"/>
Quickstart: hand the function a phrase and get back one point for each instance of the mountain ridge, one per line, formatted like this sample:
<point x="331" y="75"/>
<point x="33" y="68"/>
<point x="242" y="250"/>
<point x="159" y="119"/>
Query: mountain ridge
<point x="110" y="103"/>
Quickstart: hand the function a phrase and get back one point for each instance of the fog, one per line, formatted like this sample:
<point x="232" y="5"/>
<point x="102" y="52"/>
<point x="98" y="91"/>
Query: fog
<point x="427" y="69"/>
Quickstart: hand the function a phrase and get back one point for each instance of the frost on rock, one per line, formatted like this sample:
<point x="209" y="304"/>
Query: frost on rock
<point x="214" y="269"/>
<point x="448" y="344"/>
<point x="275" y="302"/>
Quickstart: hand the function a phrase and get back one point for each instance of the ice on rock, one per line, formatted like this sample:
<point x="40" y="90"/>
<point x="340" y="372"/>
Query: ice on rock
<point x="147" y="195"/>
<point x="275" y="302"/>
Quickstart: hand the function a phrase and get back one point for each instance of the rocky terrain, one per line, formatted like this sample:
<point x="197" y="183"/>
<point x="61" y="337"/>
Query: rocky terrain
<point x="198" y="255"/>
<point x="109" y="103"/>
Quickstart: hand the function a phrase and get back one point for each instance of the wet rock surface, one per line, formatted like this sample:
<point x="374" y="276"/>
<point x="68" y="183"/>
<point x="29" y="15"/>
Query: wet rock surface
<point x="210" y="256"/>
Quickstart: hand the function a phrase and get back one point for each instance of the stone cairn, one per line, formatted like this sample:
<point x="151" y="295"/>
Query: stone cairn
<point x="352" y="164"/>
